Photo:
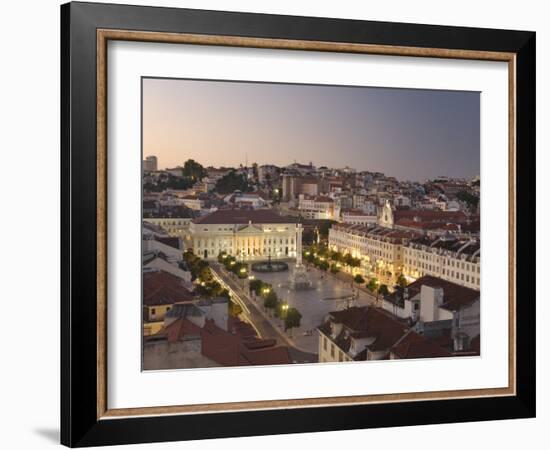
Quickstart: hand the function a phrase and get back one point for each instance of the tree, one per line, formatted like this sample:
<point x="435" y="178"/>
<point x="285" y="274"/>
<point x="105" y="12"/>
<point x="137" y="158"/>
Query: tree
<point x="334" y="268"/>
<point x="324" y="226"/>
<point x="358" y="279"/>
<point x="323" y="265"/>
<point x="470" y="199"/>
<point x="308" y="237"/>
<point x="355" y="262"/>
<point x="309" y="256"/>
<point x="232" y="182"/>
<point x="337" y="256"/>
<point x="292" y="319"/>
<point x="256" y="286"/>
<point x="240" y="269"/>
<point x="372" y="284"/>
<point x="383" y="290"/>
<point x="271" y="300"/>
<point x="401" y="281"/>
<point x="234" y="309"/>
<point x="193" y="170"/>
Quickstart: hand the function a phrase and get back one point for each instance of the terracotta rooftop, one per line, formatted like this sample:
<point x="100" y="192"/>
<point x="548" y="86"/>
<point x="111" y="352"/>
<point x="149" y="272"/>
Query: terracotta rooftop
<point x="413" y="345"/>
<point x="241" y="216"/>
<point x="455" y="297"/>
<point x="363" y="322"/>
<point x="163" y="288"/>
<point x="427" y="215"/>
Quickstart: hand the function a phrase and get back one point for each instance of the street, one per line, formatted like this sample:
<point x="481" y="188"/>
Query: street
<point x="259" y="319"/>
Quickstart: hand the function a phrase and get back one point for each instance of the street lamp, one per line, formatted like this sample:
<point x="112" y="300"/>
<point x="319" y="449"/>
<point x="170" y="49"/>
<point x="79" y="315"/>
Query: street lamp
<point x="284" y="309"/>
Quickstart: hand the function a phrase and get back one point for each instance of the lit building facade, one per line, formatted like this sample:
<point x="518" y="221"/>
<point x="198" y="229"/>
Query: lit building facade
<point x="318" y="207"/>
<point x="380" y="249"/>
<point x="245" y="234"/>
<point x="455" y="260"/>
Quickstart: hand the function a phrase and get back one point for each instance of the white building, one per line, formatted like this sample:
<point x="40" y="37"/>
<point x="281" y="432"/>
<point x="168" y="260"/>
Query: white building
<point x="365" y="203"/>
<point x="448" y="258"/>
<point x="174" y="226"/>
<point x="380" y="249"/>
<point x="359" y="334"/>
<point x="192" y="202"/>
<point x="439" y="307"/>
<point x="247" y="199"/>
<point x="356" y="217"/>
<point x="318" y="207"/>
<point x="246" y="234"/>
<point x="401" y="200"/>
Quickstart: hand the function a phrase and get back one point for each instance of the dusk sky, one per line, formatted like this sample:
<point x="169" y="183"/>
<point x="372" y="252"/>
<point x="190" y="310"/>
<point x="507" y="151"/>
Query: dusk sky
<point x="407" y="133"/>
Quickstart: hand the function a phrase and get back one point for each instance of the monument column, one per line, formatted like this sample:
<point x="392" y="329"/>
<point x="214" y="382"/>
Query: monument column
<point x="299" y="244"/>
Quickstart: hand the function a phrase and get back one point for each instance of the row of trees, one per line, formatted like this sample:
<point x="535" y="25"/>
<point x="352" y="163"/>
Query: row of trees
<point x="323" y="258"/>
<point x="290" y="315"/>
<point x="207" y="286"/>
<point x="240" y="269"/>
<point x="168" y="182"/>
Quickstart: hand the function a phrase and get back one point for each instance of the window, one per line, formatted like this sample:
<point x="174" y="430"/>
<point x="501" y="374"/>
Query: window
<point x="153" y="311"/>
<point x="325" y="340"/>
<point x="332" y="350"/>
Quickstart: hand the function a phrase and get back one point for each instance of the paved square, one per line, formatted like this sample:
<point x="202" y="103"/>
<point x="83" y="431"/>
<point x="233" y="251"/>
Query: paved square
<point x="327" y="294"/>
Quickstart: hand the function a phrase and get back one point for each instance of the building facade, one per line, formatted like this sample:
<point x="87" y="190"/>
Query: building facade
<point x="451" y="259"/>
<point x="318" y="207"/>
<point x="439" y="309"/>
<point x="359" y="334"/>
<point x="150" y="164"/>
<point x="356" y="217"/>
<point x="380" y="249"/>
<point x="245" y="234"/>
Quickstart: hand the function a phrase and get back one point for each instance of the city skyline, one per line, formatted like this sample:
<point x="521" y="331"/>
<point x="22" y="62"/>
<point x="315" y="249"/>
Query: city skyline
<point x="407" y="133"/>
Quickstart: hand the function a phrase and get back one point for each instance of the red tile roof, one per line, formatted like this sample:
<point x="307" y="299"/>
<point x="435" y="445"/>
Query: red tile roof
<point x="413" y="345"/>
<point x="171" y="241"/>
<point x="241" y="216"/>
<point x="234" y="349"/>
<point x="428" y="215"/>
<point x="179" y="329"/>
<point x="455" y="297"/>
<point x="163" y="288"/>
<point x="363" y="322"/>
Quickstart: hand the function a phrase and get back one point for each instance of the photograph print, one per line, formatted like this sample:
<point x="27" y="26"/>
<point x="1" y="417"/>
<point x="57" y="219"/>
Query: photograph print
<point x="298" y="223"/>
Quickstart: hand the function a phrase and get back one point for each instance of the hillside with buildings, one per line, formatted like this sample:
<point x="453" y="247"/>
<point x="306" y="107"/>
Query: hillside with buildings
<point x="391" y="267"/>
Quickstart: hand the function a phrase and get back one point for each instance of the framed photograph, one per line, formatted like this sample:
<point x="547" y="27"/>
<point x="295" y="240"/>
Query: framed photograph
<point x="276" y="224"/>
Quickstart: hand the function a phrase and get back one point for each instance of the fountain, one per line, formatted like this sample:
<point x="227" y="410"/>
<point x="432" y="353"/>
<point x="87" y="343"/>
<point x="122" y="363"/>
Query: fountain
<point x="269" y="266"/>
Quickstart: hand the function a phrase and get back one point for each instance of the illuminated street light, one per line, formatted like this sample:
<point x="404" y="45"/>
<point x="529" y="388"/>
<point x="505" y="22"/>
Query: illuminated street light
<point x="243" y="270"/>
